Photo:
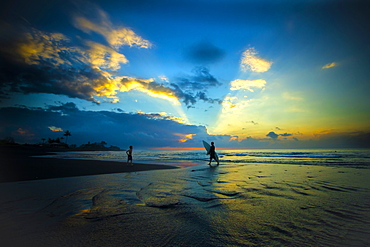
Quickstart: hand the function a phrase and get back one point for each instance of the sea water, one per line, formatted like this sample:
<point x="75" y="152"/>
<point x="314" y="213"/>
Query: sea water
<point x="356" y="158"/>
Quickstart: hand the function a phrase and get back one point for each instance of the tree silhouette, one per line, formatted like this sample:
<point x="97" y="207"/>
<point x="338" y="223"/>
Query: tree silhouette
<point x="66" y="134"/>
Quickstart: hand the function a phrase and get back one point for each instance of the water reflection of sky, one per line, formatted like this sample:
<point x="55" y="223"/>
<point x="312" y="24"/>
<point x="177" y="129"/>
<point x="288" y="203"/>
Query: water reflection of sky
<point x="343" y="157"/>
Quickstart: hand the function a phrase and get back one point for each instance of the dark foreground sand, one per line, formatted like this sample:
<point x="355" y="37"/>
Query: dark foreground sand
<point x="18" y="164"/>
<point x="230" y="205"/>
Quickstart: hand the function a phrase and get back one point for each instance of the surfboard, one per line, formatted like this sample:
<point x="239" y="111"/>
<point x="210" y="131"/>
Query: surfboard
<point x="208" y="147"/>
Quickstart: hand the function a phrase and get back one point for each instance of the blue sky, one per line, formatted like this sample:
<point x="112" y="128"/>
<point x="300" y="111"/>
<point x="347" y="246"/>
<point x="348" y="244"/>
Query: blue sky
<point x="241" y="73"/>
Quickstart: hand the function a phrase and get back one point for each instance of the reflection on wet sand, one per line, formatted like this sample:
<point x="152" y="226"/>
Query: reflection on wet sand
<point x="233" y="204"/>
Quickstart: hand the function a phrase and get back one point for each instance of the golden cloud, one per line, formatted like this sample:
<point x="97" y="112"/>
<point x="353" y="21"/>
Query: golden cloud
<point x="41" y="46"/>
<point x="177" y="119"/>
<point x="55" y="129"/>
<point x="183" y="137"/>
<point x="163" y="115"/>
<point x="104" y="57"/>
<point x="107" y="87"/>
<point x="247" y="84"/>
<point x="234" y="106"/>
<point x="150" y="87"/>
<point x="329" y="65"/>
<point x="153" y="115"/>
<point x="38" y="46"/>
<point x="115" y="37"/>
<point x="234" y="138"/>
<point x="98" y="80"/>
<point x="227" y="103"/>
<point x="250" y="61"/>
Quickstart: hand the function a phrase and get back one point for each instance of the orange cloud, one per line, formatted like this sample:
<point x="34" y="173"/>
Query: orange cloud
<point x="24" y="133"/>
<point x="55" y="129"/>
<point x="21" y="131"/>
<point x="234" y="138"/>
<point x="329" y="65"/>
<point x="184" y="138"/>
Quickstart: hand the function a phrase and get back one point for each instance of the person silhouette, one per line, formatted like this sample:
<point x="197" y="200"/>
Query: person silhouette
<point x="212" y="154"/>
<point x="129" y="155"/>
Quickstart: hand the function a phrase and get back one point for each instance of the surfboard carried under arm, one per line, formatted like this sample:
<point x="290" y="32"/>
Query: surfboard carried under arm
<point x="208" y="148"/>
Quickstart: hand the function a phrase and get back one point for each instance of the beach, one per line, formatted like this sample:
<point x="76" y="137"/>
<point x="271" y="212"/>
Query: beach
<point x="27" y="163"/>
<point x="234" y="204"/>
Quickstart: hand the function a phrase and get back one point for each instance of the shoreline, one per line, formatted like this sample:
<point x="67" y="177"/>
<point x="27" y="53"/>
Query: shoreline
<point x="18" y="164"/>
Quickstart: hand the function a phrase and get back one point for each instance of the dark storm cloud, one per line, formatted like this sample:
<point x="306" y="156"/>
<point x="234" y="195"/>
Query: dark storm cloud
<point x="272" y="135"/>
<point x="116" y="128"/>
<point x="275" y="136"/>
<point x="191" y="88"/>
<point x="187" y="97"/>
<point x="44" y="79"/>
<point x="63" y="107"/>
<point x="205" y="98"/>
<point x="286" y="134"/>
<point x="201" y="79"/>
<point x="204" y="53"/>
<point x="30" y="125"/>
<point x="191" y="98"/>
<point x="41" y="62"/>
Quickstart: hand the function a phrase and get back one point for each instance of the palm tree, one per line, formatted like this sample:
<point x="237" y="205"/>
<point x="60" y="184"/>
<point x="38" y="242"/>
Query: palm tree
<point x="66" y="134"/>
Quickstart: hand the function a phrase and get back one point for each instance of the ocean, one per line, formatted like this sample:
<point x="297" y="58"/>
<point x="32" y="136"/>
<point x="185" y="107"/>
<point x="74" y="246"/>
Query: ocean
<point x="355" y="158"/>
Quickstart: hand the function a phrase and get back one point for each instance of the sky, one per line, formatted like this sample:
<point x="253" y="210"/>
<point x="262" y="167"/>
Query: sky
<point x="171" y="73"/>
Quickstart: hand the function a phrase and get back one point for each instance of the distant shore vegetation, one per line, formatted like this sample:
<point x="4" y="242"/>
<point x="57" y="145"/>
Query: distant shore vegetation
<point x="58" y="143"/>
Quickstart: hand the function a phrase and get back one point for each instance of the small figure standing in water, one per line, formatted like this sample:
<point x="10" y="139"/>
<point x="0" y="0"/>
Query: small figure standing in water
<point x="129" y="156"/>
<point x="212" y="154"/>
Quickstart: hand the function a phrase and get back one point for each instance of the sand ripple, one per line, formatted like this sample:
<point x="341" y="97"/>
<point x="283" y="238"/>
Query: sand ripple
<point x="229" y="205"/>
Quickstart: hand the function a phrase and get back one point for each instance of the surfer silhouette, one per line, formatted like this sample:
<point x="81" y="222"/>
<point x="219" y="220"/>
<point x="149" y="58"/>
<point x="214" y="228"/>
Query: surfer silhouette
<point x="212" y="154"/>
<point x="129" y="155"/>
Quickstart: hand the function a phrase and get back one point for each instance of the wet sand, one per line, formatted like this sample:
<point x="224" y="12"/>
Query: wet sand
<point x="229" y="205"/>
<point x="18" y="164"/>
